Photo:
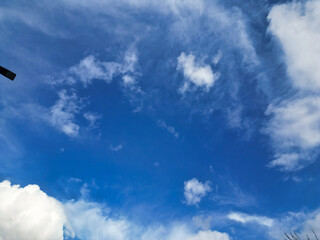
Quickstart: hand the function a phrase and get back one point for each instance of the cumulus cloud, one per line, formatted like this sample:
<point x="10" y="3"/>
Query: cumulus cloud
<point x="197" y="73"/>
<point x="297" y="26"/>
<point x="29" y="213"/>
<point x="194" y="191"/>
<point x="245" y="218"/>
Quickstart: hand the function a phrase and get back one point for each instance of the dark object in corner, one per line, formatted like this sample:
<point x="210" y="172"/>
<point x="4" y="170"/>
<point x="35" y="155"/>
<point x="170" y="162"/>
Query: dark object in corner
<point x="8" y="74"/>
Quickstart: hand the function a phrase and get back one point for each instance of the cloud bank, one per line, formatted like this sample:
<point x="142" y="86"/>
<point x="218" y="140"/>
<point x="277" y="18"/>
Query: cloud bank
<point x="29" y="213"/>
<point x="294" y="125"/>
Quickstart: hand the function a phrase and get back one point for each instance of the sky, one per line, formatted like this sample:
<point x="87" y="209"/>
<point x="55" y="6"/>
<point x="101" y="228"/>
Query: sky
<point x="159" y="120"/>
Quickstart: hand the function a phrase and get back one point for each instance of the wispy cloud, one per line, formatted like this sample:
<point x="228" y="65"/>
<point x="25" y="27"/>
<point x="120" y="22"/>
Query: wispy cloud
<point x="170" y="129"/>
<point x="92" y="118"/>
<point x="245" y="218"/>
<point x="62" y="113"/>
<point x="294" y="128"/>
<point x="91" y="68"/>
<point x="116" y="148"/>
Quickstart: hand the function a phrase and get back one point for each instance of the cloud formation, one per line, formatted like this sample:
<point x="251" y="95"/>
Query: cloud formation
<point x="245" y="218"/>
<point x="62" y="113"/>
<point x="91" y="68"/>
<point x="194" y="191"/>
<point x="196" y="73"/>
<point x="89" y="221"/>
<point x="170" y="129"/>
<point x="295" y="131"/>
<point x="297" y="27"/>
<point x="29" y="213"/>
<point x="294" y="125"/>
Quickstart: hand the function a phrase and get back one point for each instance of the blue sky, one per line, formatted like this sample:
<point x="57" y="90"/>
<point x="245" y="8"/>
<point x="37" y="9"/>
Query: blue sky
<point x="171" y="120"/>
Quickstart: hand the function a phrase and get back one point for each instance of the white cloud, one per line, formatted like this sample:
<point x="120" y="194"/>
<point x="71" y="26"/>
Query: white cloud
<point x="294" y="125"/>
<point x="300" y="222"/>
<point x="130" y="62"/>
<point x="89" y="221"/>
<point x="209" y="235"/>
<point x="245" y="218"/>
<point x="194" y="191"/>
<point x="62" y="113"/>
<point x="297" y="26"/>
<point x="202" y="221"/>
<point x="91" y="68"/>
<point x="295" y="131"/>
<point x="197" y="73"/>
<point x="216" y="59"/>
<point x="170" y="129"/>
<point x="180" y="231"/>
<point x="28" y="213"/>
<point x="128" y="80"/>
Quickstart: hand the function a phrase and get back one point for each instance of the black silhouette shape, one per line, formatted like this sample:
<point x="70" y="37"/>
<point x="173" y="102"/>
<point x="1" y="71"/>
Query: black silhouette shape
<point x="8" y="74"/>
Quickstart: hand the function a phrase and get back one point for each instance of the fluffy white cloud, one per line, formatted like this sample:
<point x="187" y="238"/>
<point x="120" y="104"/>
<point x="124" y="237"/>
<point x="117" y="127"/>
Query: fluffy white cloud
<point x="197" y="73"/>
<point x="245" y="218"/>
<point x="28" y="213"/>
<point x="194" y="191"/>
<point x="62" y="113"/>
<point x="297" y="26"/>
